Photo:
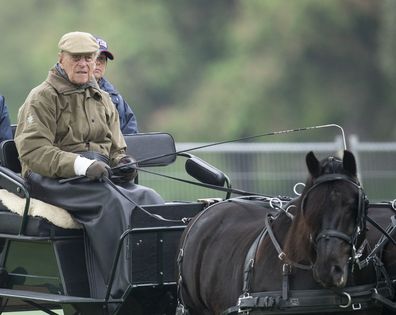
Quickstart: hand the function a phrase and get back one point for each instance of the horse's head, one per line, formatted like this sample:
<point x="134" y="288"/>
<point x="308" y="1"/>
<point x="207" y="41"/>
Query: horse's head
<point x="333" y="210"/>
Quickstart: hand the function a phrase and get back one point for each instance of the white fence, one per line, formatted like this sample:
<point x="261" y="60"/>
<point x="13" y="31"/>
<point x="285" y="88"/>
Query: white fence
<point x="274" y="168"/>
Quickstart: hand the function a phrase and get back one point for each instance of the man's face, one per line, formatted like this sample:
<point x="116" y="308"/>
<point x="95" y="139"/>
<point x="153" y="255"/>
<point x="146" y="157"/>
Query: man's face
<point x="78" y="67"/>
<point x="101" y="63"/>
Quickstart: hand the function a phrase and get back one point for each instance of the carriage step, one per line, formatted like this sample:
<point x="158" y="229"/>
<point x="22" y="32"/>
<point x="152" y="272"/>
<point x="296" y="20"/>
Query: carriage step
<point x="48" y="297"/>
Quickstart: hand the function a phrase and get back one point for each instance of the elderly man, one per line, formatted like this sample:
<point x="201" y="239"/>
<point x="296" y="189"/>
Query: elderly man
<point x="128" y="121"/>
<point x="69" y="127"/>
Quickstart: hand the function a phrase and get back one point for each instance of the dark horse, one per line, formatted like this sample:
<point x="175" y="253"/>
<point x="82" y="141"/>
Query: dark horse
<point x="239" y="247"/>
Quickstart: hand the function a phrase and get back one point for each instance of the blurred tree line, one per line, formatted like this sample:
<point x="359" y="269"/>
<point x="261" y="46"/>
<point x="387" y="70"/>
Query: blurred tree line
<point x="208" y="70"/>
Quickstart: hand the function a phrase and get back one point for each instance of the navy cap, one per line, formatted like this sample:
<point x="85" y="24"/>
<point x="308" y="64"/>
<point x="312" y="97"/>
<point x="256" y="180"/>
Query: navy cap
<point x="104" y="48"/>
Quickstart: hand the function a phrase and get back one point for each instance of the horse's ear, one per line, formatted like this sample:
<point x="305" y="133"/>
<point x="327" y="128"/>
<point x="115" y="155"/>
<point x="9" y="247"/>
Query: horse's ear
<point x="349" y="163"/>
<point x="313" y="164"/>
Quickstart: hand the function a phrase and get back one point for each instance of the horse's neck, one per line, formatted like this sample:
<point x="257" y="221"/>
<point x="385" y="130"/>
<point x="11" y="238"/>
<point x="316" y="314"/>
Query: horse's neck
<point x="297" y="244"/>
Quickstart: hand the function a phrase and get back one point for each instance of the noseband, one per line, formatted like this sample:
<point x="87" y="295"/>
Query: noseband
<point x="360" y="218"/>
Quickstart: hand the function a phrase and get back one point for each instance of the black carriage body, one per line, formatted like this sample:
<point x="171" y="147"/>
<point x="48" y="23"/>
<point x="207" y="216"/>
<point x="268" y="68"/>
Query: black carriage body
<point x="51" y="260"/>
<point x="43" y="266"/>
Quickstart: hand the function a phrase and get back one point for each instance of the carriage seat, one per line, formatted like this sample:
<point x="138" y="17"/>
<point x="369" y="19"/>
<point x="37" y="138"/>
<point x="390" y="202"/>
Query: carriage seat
<point x="46" y="220"/>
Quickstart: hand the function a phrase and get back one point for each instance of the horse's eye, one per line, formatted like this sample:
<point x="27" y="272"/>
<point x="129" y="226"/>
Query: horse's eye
<point x="349" y="203"/>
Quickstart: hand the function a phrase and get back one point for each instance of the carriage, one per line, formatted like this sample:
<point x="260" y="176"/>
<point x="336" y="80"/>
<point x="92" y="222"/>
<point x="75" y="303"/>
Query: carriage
<point x="42" y="249"/>
<point x="42" y="260"/>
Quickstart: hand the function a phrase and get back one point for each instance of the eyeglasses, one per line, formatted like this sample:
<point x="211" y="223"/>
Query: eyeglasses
<point x="87" y="58"/>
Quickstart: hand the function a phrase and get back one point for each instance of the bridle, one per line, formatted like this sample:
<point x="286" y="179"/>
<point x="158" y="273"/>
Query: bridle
<point x="360" y="224"/>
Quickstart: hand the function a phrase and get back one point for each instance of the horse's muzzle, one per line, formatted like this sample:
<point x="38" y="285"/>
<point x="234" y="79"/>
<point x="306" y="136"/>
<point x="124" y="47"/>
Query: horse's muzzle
<point x="331" y="275"/>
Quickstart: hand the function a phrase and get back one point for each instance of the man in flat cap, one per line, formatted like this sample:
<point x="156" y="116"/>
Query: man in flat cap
<point x="69" y="127"/>
<point x="128" y="123"/>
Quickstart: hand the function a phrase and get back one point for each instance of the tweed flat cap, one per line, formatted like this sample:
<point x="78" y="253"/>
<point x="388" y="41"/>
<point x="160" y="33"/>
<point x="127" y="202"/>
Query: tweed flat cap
<point x="78" y="43"/>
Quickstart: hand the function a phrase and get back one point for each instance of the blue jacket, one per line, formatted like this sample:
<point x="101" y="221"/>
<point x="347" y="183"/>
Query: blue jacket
<point x="128" y="121"/>
<point x="5" y="125"/>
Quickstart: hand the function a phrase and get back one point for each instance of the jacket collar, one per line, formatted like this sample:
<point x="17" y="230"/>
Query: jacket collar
<point x="107" y="86"/>
<point x="64" y="86"/>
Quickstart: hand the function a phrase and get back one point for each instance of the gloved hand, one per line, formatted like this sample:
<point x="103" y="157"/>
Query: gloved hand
<point x="125" y="170"/>
<point x="98" y="170"/>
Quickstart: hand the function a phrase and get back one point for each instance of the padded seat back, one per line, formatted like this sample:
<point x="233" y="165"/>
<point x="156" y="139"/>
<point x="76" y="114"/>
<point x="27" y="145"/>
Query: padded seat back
<point x="9" y="156"/>
<point x="151" y="149"/>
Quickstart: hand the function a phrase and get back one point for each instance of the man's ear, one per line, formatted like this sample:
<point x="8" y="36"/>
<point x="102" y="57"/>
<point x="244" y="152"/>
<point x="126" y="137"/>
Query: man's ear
<point x="60" y="59"/>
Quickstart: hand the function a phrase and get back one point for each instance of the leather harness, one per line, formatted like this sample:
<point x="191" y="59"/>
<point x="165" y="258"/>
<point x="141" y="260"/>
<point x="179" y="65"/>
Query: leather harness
<point x="289" y="301"/>
<point x="312" y="301"/>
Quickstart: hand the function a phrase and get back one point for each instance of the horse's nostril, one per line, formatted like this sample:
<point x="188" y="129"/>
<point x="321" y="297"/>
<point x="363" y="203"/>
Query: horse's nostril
<point x="332" y="277"/>
<point x="336" y="269"/>
<point x="337" y="276"/>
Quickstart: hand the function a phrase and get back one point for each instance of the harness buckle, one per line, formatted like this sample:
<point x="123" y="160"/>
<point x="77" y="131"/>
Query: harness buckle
<point x="282" y="255"/>
<point x="356" y="306"/>
<point x="394" y="204"/>
<point x="244" y="302"/>
<point x="286" y="269"/>
<point x="349" y="300"/>
<point x="181" y="310"/>
<point x="186" y="220"/>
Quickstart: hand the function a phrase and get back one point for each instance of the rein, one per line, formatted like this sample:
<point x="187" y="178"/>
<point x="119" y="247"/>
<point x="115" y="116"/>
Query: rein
<point x="210" y="186"/>
<point x="229" y="190"/>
